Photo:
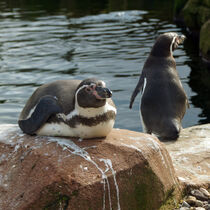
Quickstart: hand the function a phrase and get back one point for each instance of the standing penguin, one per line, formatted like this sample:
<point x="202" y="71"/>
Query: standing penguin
<point x="164" y="101"/>
<point x="69" y="108"/>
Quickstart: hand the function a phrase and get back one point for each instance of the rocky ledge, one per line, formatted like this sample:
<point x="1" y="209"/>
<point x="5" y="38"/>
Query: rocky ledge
<point x="191" y="159"/>
<point x="191" y="156"/>
<point x="126" y="170"/>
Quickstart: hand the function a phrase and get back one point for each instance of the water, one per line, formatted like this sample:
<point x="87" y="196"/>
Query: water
<point x="43" y="42"/>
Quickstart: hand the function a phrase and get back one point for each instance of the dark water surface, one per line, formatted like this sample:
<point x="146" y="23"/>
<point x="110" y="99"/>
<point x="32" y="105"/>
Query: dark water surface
<point x="41" y="42"/>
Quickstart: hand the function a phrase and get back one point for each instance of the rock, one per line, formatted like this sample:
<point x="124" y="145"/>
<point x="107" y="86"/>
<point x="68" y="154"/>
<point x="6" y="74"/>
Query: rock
<point x="199" y="208"/>
<point x="185" y="204"/>
<point x="204" y="42"/>
<point x="126" y="170"/>
<point x="191" y="156"/>
<point x="205" y="192"/>
<point x="198" y="203"/>
<point x="199" y="195"/>
<point x="178" y="6"/>
<point x="195" y="13"/>
<point x="206" y="206"/>
<point x="184" y="208"/>
<point x="191" y="200"/>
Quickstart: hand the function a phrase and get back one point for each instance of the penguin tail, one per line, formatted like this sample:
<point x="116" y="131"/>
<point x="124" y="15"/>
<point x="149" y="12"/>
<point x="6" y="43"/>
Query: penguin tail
<point x="172" y="131"/>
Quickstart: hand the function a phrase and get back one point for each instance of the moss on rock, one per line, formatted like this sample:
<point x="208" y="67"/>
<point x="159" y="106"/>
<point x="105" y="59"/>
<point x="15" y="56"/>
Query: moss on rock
<point x="196" y="16"/>
<point x="147" y="194"/>
<point x="196" y="13"/>
<point x="205" y="40"/>
<point x="190" y="13"/>
<point x="178" y="5"/>
<point x="206" y="2"/>
<point x="60" y="202"/>
<point x="203" y="15"/>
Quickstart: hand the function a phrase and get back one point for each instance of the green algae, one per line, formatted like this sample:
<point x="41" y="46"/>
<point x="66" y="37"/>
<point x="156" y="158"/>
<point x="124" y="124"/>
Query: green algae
<point x="147" y="194"/>
<point x="204" y="43"/>
<point x="195" y="13"/>
<point x="60" y="202"/>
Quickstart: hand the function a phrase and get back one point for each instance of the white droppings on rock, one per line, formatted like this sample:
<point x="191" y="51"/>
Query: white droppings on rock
<point x="155" y="146"/>
<point x="108" y="164"/>
<point x="2" y="157"/>
<point x="4" y="181"/>
<point x="133" y="147"/>
<point x="136" y="138"/>
<point x="21" y="134"/>
<point x="76" y="150"/>
<point x="151" y="143"/>
<point x="89" y="147"/>
<point x="16" y="147"/>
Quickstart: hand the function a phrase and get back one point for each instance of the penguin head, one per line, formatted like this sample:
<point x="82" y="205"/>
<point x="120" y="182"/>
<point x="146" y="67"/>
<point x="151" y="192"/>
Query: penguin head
<point x="166" y="43"/>
<point x="92" y="93"/>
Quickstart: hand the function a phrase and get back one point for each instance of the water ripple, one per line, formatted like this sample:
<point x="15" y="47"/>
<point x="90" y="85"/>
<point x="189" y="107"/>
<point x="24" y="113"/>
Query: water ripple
<point x="43" y="48"/>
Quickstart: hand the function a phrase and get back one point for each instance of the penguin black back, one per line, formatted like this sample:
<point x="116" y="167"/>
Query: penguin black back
<point x="164" y="101"/>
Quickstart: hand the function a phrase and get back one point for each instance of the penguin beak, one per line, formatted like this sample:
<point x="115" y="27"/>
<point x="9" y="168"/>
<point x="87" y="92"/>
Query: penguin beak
<point x="180" y="39"/>
<point x="103" y="92"/>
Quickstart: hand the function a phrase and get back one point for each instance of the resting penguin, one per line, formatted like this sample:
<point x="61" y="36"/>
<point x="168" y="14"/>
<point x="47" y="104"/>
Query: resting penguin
<point x="164" y="101"/>
<point x="69" y="108"/>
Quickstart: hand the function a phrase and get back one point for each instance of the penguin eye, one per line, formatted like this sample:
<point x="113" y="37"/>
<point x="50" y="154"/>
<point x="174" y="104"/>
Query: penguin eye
<point x="92" y="86"/>
<point x="88" y="89"/>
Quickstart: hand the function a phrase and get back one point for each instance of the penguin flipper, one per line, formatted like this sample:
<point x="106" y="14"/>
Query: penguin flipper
<point x="138" y="88"/>
<point x="47" y="106"/>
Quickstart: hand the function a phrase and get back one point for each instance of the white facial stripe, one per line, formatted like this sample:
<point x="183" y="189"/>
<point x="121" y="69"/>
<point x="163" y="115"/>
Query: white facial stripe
<point x="84" y="86"/>
<point x="171" y="34"/>
<point x="91" y="112"/>
<point x="79" y="90"/>
<point x="171" y="50"/>
<point x="103" y="83"/>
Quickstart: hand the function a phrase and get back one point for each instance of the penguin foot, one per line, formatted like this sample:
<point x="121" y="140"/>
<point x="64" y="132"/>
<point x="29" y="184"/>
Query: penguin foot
<point x="47" y="106"/>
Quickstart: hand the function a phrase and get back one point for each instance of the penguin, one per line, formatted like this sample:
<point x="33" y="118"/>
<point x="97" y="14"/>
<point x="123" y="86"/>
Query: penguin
<point x="72" y="108"/>
<point x="164" y="101"/>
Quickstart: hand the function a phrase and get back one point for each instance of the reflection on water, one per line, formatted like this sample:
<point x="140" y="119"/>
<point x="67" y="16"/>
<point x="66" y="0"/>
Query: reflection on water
<point x="41" y="42"/>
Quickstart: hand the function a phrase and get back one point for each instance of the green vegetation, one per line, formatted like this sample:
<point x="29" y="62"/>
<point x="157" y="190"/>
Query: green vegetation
<point x="60" y="202"/>
<point x="205" y="40"/>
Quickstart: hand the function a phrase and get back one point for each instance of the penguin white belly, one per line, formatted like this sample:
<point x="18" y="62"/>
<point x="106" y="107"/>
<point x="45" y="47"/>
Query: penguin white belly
<point x="142" y="120"/>
<point x="81" y="131"/>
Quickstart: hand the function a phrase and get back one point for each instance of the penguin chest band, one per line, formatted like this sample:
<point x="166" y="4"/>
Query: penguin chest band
<point x="93" y="123"/>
